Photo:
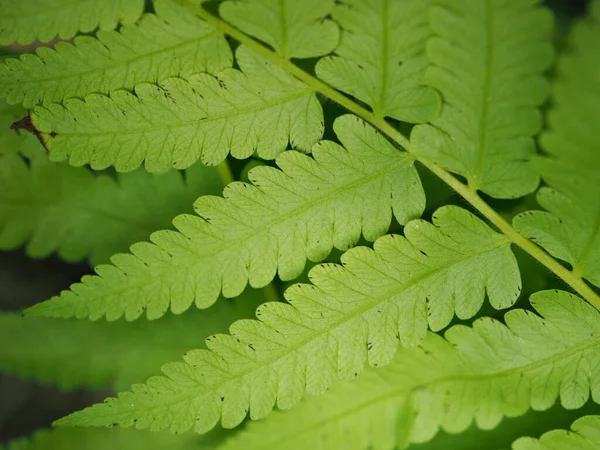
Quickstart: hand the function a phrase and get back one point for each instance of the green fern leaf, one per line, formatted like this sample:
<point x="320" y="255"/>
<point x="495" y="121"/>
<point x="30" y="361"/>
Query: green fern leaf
<point x="26" y="21"/>
<point x="570" y="230"/>
<point x="55" y="207"/>
<point x="11" y="142"/>
<point x="295" y="29"/>
<point x="101" y="439"/>
<point x="178" y="122"/>
<point x="351" y="314"/>
<point x="479" y="374"/>
<point x="488" y="58"/>
<point x="300" y="212"/>
<point x="170" y="43"/>
<point x="584" y="435"/>
<point x="96" y="355"/>
<point x="390" y="79"/>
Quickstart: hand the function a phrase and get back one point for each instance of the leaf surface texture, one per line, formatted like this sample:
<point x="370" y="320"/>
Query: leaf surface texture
<point x="294" y="29"/>
<point x="287" y="216"/>
<point x="351" y="314"/>
<point x="25" y="21"/>
<point x="177" y="122"/>
<point x="381" y="57"/>
<point x="479" y="374"/>
<point x="569" y="229"/>
<point x="170" y="43"/>
<point x="584" y="435"/>
<point x="488" y="58"/>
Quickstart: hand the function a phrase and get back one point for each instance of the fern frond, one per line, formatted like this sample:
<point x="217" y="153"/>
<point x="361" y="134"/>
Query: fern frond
<point x="352" y="313"/>
<point x="170" y="43"/>
<point x="26" y="21"/>
<point x="381" y="57"/>
<point x="584" y="435"/>
<point x="294" y="29"/>
<point x="177" y="122"/>
<point x="570" y="229"/>
<point x="75" y="353"/>
<point x="289" y="215"/>
<point x="476" y="374"/>
<point x="102" y="439"/>
<point x="58" y="208"/>
<point x="488" y="58"/>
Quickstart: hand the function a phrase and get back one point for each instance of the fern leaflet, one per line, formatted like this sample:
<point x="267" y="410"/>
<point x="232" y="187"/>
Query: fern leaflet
<point x="570" y="230"/>
<point x="390" y="80"/>
<point x="488" y="58"/>
<point x="170" y="43"/>
<point x="25" y="21"/>
<point x="294" y="29"/>
<point x="55" y="207"/>
<point x="584" y="435"/>
<point x="288" y="216"/>
<point x="100" y="354"/>
<point x="177" y="122"/>
<point x="351" y="314"/>
<point x="476" y="374"/>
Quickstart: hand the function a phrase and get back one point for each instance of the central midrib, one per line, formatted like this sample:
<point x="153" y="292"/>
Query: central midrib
<point x="470" y="195"/>
<point x="179" y="123"/>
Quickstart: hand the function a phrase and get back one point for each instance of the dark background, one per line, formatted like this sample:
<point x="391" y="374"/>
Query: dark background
<point x="25" y="406"/>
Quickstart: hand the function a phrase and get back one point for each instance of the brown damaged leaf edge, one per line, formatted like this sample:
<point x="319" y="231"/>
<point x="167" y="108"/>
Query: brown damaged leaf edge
<point x="27" y="124"/>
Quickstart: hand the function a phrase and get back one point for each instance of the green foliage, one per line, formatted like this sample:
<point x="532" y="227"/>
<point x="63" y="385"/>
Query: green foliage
<point x="81" y="215"/>
<point x="488" y="58"/>
<point x="475" y="374"/>
<point x="78" y="354"/>
<point x="289" y="215"/>
<point x="584" y="435"/>
<point x="25" y="21"/>
<point x="570" y="230"/>
<point x="101" y="439"/>
<point x="188" y="82"/>
<point x="177" y="122"/>
<point x="12" y="142"/>
<point x="294" y="29"/>
<point x="155" y="48"/>
<point x="377" y="298"/>
<point x="390" y="80"/>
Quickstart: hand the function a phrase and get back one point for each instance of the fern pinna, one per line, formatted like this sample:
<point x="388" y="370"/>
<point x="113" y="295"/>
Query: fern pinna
<point x="415" y="167"/>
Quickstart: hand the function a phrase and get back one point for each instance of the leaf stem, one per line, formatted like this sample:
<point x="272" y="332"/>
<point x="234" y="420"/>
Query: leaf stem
<point x="471" y="196"/>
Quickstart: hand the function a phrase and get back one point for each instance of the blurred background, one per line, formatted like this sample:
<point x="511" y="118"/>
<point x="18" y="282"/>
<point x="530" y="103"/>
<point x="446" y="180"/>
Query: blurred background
<point x="26" y="406"/>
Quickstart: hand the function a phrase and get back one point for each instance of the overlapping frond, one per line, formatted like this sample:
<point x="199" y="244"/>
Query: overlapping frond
<point x="381" y="57"/>
<point x="170" y="43"/>
<point x="487" y="62"/>
<point x="25" y="21"/>
<point x="295" y="29"/>
<point x="570" y="229"/>
<point x="476" y="374"/>
<point x="351" y="314"/>
<point x="584" y="435"/>
<point x="75" y="353"/>
<point x="102" y="439"/>
<point x="177" y="122"/>
<point x="287" y="216"/>
<point x="53" y="207"/>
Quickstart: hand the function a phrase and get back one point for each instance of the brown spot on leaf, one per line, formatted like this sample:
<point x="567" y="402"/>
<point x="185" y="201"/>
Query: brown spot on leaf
<point x="27" y="124"/>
